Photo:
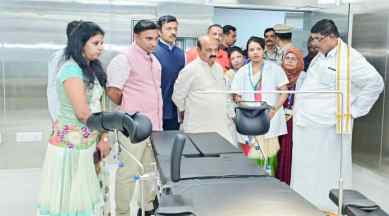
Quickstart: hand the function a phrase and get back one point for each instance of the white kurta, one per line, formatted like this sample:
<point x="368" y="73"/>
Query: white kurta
<point x="316" y="146"/>
<point x="204" y="112"/>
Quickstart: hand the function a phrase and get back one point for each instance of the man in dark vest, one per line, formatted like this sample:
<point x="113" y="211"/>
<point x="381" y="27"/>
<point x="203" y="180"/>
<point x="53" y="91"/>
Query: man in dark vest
<point x="172" y="60"/>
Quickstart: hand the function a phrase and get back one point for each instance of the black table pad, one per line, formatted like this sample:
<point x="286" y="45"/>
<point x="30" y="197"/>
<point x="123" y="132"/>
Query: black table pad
<point x="243" y="196"/>
<point x="228" y="165"/>
<point x="162" y="142"/>
<point x="212" y="143"/>
<point x="196" y="144"/>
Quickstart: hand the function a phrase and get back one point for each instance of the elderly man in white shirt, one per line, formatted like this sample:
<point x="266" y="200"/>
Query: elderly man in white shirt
<point x="203" y="112"/>
<point x="54" y="64"/>
<point x="322" y="122"/>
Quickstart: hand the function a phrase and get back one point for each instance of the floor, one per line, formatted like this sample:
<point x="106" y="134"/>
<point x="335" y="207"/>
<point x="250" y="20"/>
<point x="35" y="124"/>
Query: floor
<point x="19" y="189"/>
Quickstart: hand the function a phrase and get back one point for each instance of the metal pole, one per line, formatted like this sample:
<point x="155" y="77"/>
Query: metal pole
<point x="340" y="199"/>
<point x="340" y="180"/>
<point x="138" y="178"/>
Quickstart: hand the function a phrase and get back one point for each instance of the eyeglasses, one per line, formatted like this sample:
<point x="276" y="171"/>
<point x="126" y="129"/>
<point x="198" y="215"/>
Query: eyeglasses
<point x="290" y="59"/>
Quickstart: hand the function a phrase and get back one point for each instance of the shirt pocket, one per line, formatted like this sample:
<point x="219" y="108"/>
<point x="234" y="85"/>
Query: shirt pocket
<point x="327" y="77"/>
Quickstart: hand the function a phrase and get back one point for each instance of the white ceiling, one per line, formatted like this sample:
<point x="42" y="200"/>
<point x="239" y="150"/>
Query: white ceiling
<point x="358" y="6"/>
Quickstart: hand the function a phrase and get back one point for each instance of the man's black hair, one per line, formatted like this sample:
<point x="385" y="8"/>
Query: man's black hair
<point x="144" y="25"/>
<point x="325" y="27"/>
<point x="228" y="28"/>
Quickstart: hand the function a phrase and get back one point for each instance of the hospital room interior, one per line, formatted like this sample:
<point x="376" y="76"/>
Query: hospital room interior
<point x="32" y="30"/>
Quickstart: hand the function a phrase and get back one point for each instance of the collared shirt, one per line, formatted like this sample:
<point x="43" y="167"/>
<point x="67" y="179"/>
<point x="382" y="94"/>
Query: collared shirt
<point x="204" y="112"/>
<point x="275" y="56"/>
<point x="138" y="75"/>
<point x="172" y="60"/>
<point x="170" y="46"/>
<point x="55" y="63"/>
<point x="320" y="109"/>
<point x="221" y="57"/>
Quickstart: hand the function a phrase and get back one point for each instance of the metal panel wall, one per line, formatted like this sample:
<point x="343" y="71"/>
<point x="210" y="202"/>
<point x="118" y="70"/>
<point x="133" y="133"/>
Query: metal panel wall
<point x="370" y="37"/>
<point x="30" y="31"/>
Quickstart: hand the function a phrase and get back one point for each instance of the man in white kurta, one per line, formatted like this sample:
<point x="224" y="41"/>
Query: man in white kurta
<point x="203" y="112"/>
<point x="316" y="143"/>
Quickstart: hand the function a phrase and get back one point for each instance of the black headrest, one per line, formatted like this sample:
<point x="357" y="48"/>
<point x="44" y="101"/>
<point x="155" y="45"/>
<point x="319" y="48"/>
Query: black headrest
<point x="142" y="127"/>
<point x="252" y="120"/>
<point x="135" y="126"/>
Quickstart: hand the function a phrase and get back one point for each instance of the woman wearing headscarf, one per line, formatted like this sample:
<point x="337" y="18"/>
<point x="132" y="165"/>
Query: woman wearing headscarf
<point x="293" y="65"/>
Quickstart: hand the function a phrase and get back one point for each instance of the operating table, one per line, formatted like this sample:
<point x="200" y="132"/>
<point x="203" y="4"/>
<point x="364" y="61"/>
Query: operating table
<point x="216" y="179"/>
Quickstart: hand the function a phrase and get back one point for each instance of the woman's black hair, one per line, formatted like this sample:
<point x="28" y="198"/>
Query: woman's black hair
<point x="257" y="40"/>
<point x="74" y="49"/>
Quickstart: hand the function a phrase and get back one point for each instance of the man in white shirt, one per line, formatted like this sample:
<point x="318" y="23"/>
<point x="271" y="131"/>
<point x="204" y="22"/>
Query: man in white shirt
<point x="54" y="64"/>
<point x="203" y="112"/>
<point x="323" y="122"/>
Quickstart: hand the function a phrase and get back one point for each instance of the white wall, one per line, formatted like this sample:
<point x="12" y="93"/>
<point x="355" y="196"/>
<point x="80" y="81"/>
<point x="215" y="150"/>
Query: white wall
<point x="248" y="22"/>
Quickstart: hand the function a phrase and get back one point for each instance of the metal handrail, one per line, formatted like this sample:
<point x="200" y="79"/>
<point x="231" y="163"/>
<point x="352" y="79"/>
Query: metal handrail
<point x="340" y="180"/>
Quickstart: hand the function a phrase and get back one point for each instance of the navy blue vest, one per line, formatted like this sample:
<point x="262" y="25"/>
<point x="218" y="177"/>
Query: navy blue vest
<point x="172" y="61"/>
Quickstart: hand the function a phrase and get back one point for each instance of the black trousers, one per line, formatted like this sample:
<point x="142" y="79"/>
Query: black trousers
<point x="171" y="124"/>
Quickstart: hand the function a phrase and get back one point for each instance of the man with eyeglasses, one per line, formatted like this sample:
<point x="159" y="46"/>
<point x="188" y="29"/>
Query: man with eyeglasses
<point x="323" y="122"/>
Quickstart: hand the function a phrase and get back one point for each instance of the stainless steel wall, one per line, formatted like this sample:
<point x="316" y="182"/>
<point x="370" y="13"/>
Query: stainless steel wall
<point x="371" y="137"/>
<point x="30" y="31"/>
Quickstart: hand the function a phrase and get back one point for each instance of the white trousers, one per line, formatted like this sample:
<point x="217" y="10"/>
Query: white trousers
<point x="316" y="164"/>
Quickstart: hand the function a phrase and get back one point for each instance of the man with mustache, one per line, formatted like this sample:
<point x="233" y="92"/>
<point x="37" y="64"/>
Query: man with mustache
<point x="203" y="112"/>
<point x="323" y="123"/>
<point x="215" y="31"/>
<point x="272" y="52"/>
<point x="172" y="60"/>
